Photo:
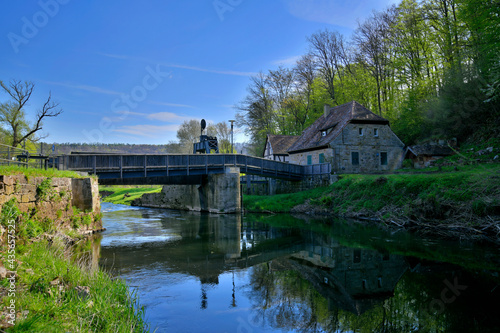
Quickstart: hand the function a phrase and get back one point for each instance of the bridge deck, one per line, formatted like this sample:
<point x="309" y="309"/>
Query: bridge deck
<point x="180" y="169"/>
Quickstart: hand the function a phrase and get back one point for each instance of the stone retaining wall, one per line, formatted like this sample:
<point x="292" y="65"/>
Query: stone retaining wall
<point x="270" y="186"/>
<point x="54" y="199"/>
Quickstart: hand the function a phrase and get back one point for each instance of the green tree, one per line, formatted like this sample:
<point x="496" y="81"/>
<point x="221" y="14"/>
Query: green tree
<point x="188" y="133"/>
<point x="222" y="131"/>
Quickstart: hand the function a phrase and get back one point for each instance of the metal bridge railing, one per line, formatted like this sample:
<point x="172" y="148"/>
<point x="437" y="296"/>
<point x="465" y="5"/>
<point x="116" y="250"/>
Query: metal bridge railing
<point x="94" y="163"/>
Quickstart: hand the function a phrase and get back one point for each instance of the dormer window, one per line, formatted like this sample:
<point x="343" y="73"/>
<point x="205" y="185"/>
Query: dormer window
<point x="323" y="133"/>
<point x="360" y="131"/>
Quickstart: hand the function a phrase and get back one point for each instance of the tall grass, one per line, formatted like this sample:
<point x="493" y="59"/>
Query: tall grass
<point x="52" y="295"/>
<point x="33" y="172"/>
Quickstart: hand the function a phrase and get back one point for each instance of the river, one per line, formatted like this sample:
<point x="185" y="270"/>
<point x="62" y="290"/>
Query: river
<point x="277" y="273"/>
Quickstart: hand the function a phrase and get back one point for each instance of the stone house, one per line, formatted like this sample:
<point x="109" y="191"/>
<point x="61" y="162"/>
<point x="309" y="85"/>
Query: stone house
<point x="277" y="145"/>
<point x="350" y="137"/>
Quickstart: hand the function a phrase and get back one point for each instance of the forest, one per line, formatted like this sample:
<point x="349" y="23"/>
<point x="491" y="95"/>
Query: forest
<point x="431" y="67"/>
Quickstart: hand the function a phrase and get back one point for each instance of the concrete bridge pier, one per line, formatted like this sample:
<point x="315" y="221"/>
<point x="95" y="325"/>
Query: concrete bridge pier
<point x="218" y="193"/>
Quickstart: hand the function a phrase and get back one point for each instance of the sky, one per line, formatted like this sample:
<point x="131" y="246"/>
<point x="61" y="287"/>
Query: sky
<point x="133" y="71"/>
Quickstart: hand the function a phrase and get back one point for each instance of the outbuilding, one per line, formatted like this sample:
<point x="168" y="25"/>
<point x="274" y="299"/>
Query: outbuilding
<point x="277" y="145"/>
<point x="423" y="155"/>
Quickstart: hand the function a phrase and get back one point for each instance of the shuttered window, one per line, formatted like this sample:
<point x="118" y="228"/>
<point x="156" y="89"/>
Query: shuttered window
<point x="383" y="158"/>
<point x="355" y="158"/>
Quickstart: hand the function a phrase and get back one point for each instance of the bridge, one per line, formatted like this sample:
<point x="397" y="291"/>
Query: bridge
<point x="185" y="169"/>
<point x="203" y="182"/>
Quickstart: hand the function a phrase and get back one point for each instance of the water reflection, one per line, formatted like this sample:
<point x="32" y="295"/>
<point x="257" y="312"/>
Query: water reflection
<point x="198" y="272"/>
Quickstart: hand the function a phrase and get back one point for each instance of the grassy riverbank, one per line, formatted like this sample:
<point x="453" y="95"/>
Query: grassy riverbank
<point x="465" y="197"/>
<point x="126" y="194"/>
<point x="33" y="172"/>
<point x="49" y="278"/>
<point x="57" y="293"/>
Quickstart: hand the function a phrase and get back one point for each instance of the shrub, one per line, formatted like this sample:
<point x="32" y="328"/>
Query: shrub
<point x="44" y="190"/>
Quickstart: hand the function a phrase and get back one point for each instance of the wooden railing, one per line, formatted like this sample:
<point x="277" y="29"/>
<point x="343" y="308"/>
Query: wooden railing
<point x="95" y="163"/>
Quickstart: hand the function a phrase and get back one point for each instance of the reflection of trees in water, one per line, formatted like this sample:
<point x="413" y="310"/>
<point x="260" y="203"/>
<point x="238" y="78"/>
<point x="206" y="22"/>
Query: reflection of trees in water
<point x="283" y="299"/>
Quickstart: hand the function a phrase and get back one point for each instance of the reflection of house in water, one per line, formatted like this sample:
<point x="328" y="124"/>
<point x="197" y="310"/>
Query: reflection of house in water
<point x="206" y="246"/>
<point x="351" y="279"/>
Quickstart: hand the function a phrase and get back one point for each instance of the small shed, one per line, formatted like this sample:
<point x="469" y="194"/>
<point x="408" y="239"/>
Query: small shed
<point x="423" y="155"/>
<point x="276" y="147"/>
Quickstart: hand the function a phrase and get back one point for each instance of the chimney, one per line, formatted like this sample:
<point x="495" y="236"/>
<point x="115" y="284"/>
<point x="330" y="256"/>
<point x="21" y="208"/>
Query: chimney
<point x="326" y="109"/>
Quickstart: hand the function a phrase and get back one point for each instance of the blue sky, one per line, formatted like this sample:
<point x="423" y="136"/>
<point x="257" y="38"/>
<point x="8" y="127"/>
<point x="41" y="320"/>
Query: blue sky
<point x="133" y="71"/>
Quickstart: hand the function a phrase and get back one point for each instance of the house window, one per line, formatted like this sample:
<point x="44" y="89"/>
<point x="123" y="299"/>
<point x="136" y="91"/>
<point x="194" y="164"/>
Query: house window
<point x="360" y="131"/>
<point x="323" y="133"/>
<point x="309" y="160"/>
<point x="321" y="158"/>
<point x="355" y="158"/>
<point x="383" y="158"/>
<point x="375" y="132"/>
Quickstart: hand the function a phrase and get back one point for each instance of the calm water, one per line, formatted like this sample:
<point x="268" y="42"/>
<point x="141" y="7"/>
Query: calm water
<point x="208" y="273"/>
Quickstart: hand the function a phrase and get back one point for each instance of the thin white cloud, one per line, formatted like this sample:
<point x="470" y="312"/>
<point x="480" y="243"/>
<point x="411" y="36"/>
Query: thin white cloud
<point x="116" y="56"/>
<point x="126" y="112"/>
<point x="149" y="131"/>
<point x="290" y="61"/>
<point x="206" y="70"/>
<point x="85" y="88"/>
<point x="168" y="117"/>
<point x="171" y="104"/>
<point x="180" y="66"/>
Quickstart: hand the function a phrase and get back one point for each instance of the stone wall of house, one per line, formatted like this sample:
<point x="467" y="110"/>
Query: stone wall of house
<point x="370" y="141"/>
<point x="301" y="158"/>
<point x="55" y="198"/>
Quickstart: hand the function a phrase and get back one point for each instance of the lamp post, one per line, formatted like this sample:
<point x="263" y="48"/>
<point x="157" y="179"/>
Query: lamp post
<point x="232" y="122"/>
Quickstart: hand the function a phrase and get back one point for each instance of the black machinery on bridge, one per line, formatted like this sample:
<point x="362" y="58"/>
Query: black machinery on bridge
<point x="207" y="143"/>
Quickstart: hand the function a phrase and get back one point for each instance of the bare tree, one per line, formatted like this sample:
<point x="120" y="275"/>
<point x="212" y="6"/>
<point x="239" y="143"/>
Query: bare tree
<point x="281" y="85"/>
<point x="255" y="113"/>
<point x="331" y="57"/>
<point x="13" y="116"/>
<point x="371" y="38"/>
<point x="305" y="73"/>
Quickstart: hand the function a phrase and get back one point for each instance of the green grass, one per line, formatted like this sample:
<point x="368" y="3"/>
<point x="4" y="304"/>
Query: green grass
<point x="48" y="298"/>
<point x="33" y="172"/>
<point x="281" y="203"/>
<point x="49" y="275"/>
<point x="474" y="189"/>
<point x="125" y="194"/>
